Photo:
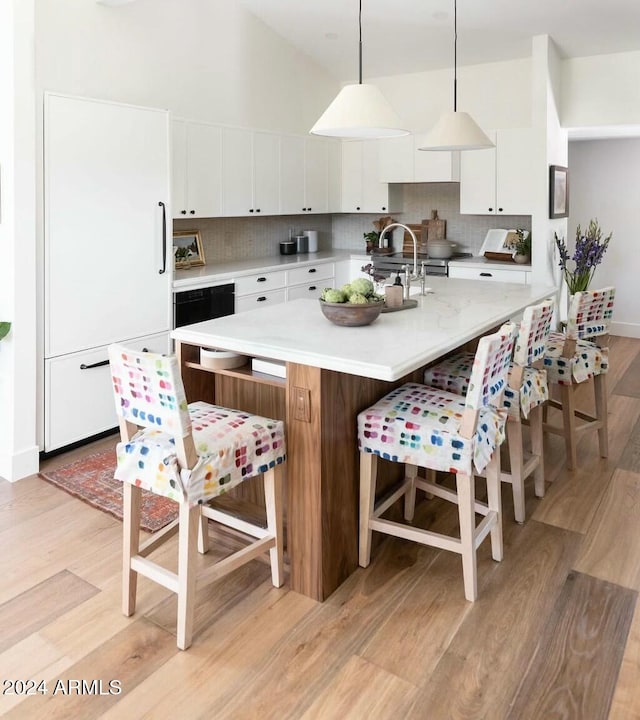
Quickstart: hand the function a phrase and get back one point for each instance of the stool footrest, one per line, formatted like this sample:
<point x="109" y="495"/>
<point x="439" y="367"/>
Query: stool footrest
<point x="450" y="495"/>
<point x="424" y="537"/>
<point x="239" y="558"/>
<point x="155" y="572"/>
<point x="158" y="538"/>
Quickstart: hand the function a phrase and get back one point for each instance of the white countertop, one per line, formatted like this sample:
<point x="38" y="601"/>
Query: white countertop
<point x="482" y="262"/>
<point x="393" y="345"/>
<point x="221" y="273"/>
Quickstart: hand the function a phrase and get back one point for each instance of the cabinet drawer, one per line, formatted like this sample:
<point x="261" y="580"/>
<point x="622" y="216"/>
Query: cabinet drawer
<point x="79" y="400"/>
<point x="250" y="302"/>
<point x="260" y="282"/>
<point x="512" y="276"/>
<point x="309" y="290"/>
<point x="310" y="273"/>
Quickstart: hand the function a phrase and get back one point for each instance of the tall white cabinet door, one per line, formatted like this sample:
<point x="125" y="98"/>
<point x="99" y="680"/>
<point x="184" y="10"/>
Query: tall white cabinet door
<point x="352" y="153"/>
<point x="478" y="181"/>
<point x="292" y="172"/>
<point x="516" y="149"/>
<point x="237" y="172"/>
<point x="107" y="271"/>
<point x="375" y="193"/>
<point x="266" y="173"/>
<point x="179" y="168"/>
<point x="316" y="168"/>
<point x="204" y="170"/>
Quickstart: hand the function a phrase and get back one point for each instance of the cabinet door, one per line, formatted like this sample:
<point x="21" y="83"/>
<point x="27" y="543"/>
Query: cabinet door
<point x="352" y="199"/>
<point x="478" y="181"/>
<point x="335" y="176"/>
<point x="237" y="172"/>
<point x="179" y="168"/>
<point x="204" y="170"/>
<point x="316" y="175"/>
<point x="516" y="149"/>
<point x="106" y="171"/>
<point x="434" y="166"/>
<point x="375" y="193"/>
<point x="396" y="162"/>
<point x="266" y="173"/>
<point x="292" y="173"/>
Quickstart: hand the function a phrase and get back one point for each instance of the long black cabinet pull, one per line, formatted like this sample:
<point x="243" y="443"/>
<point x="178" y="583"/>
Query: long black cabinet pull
<point x="164" y="238"/>
<point x="262" y="298"/>
<point x="261" y="279"/>
<point x="312" y="270"/>
<point x="482" y="274"/>
<point x="94" y="365"/>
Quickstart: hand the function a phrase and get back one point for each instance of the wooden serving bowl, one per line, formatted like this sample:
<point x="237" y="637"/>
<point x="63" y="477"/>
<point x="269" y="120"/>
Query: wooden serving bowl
<point x="351" y="315"/>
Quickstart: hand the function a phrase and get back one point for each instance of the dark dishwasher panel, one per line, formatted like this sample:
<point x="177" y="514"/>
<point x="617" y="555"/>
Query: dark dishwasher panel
<point x="193" y="306"/>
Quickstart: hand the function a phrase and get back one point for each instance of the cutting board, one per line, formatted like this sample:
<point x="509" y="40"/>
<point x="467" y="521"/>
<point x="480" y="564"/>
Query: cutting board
<point x="436" y="229"/>
<point x="421" y="238"/>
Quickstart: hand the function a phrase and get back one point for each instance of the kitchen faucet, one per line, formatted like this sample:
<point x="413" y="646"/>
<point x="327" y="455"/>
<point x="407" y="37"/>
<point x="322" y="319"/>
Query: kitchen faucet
<point x="408" y="276"/>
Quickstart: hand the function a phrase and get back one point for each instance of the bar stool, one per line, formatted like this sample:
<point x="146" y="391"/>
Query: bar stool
<point x="421" y="426"/>
<point x="524" y="397"/>
<point x="191" y="454"/>
<point x="579" y="355"/>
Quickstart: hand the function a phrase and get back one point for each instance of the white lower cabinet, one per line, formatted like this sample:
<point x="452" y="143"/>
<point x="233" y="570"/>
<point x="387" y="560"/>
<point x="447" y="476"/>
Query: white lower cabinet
<point x="496" y="275"/>
<point x="79" y="394"/>
<point x="310" y="290"/>
<point x="260" y="282"/>
<point x="255" y="300"/>
<point x="309" y="281"/>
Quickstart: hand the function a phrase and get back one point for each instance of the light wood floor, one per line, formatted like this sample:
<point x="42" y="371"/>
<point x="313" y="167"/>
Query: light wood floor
<point x="554" y="634"/>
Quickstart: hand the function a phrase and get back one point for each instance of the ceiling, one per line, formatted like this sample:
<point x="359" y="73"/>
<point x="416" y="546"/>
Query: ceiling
<point x="405" y="36"/>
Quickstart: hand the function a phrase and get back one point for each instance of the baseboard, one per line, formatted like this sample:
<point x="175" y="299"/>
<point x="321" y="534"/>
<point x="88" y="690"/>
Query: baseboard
<point x="631" y="330"/>
<point x="19" y="465"/>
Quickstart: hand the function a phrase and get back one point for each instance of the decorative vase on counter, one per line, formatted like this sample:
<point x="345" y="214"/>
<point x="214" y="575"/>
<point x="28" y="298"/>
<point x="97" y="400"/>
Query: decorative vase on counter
<point x="521" y="259"/>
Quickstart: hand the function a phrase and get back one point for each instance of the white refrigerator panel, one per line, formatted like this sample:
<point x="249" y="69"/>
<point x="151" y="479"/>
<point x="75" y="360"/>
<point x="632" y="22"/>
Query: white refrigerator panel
<point x="106" y="177"/>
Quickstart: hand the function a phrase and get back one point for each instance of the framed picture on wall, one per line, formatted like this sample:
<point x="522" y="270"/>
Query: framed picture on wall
<point x="558" y="191"/>
<point x="187" y="248"/>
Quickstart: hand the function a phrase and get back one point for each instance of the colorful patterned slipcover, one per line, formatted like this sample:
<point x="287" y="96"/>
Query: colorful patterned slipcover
<point x="232" y="445"/>
<point x="453" y="373"/>
<point x="589" y="317"/>
<point x="420" y="425"/>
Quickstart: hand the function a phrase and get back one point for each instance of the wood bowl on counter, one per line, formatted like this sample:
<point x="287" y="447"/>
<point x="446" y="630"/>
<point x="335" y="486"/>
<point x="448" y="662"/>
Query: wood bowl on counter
<point x="351" y="314"/>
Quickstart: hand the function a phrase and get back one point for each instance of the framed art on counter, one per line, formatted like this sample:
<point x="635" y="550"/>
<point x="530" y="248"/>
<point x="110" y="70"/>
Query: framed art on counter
<point x="187" y="248"/>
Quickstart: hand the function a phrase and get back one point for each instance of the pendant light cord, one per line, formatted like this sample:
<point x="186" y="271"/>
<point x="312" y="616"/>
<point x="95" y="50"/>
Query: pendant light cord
<point x="360" y="45"/>
<point x="455" y="55"/>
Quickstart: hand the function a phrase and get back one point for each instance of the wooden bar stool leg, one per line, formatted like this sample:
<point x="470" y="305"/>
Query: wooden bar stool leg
<point x="410" y="473"/>
<point x="537" y="447"/>
<point x="494" y="503"/>
<point x="466" y="512"/>
<point x="187" y="541"/>
<point x="600" y="389"/>
<point x="273" y="501"/>
<point x="203" y="534"/>
<point x="368" y="472"/>
<point x="132" y="500"/>
<point x="569" y="421"/>
<point x="516" y="458"/>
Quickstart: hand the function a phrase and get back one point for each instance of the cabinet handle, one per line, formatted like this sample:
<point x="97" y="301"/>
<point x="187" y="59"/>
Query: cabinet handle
<point x="164" y="238"/>
<point x="311" y="270"/>
<point x="102" y="363"/>
<point x="309" y="209"/>
<point x="384" y="208"/>
<point x="183" y="212"/>
<point x="257" y="209"/>
<point x="499" y="209"/>
<point x="250" y="209"/>
<point x="485" y="274"/>
<point x="192" y="212"/>
<point x="312" y="288"/>
<point x="358" y="208"/>
<point x="261" y="279"/>
<point x="262" y="298"/>
<point x="490" y="209"/>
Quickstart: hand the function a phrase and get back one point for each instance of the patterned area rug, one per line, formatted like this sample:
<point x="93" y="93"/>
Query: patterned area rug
<point x="91" y="480"/>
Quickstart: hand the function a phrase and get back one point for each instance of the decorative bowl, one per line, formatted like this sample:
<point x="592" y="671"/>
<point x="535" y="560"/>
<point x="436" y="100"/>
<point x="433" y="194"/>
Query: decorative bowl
<point x="350" y="314"/>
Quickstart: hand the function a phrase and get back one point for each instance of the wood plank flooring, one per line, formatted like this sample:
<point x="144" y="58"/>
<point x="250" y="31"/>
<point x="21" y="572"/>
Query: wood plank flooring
<point x="555" y="632"/>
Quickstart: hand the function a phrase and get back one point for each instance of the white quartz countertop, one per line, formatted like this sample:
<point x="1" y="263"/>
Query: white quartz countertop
<point x="482" y="262"/>
<point x="221" y="273"/>
<point x="393" y="345"/>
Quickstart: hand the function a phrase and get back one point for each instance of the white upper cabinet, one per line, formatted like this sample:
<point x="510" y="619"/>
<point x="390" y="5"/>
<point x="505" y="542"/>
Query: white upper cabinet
<point x="498" y="181"/>
<point x="402" y="162"/>
<point x="250" y="172"/>
<point x="197" y="169"/>
<point x="362" y="190"/>
<point x="304" y="175"/>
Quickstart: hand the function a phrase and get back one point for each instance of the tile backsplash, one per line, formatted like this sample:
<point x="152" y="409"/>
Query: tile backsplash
<point x="228" y="239"/>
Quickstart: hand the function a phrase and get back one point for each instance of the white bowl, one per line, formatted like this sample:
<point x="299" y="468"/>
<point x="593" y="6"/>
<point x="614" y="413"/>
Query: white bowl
<point x="440" y="249"/>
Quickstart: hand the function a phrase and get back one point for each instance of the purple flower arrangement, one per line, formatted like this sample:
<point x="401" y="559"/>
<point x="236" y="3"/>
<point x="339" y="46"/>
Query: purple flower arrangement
<point x="587" y="255"/>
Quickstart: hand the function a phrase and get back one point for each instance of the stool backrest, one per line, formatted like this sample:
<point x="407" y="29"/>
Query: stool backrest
<point x="590" y="313"/>
<point x="490" y="367"/>
<point x="149" y="391"/>
<point x="533" y="333"/>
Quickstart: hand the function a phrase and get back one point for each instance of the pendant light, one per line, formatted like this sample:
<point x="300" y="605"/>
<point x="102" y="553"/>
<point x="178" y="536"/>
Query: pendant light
<point x="359" y="111"/>
<point x="456" y="130"/>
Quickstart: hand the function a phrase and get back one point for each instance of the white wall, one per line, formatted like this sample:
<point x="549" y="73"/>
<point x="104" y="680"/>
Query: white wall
<point x="18" y="450"/>
<point x="605" y="177"/>
<point x="201" y="59"/>
<point x="601" y="90"/>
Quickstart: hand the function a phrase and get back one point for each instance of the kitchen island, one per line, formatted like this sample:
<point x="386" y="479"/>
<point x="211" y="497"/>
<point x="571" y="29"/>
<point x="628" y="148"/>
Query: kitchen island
<point x="332" y="373"/>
